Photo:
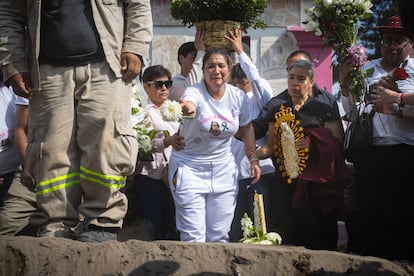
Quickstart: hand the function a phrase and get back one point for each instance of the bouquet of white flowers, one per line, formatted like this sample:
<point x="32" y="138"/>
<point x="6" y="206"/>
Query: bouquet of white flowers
<point x="336" y="21"/>
<point x="141" y="123"/>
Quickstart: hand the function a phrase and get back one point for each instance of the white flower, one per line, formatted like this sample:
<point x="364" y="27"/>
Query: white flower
<point x="264" y="242"/>
<point x="145" y="143"/>
<point x="310" y="26"/>
<point x="247" y="226"/>
<point x="275" y="238"/>
<point x="249" y="240"/>
<point x="327" y="3"/>
<point x="171" y="111"/>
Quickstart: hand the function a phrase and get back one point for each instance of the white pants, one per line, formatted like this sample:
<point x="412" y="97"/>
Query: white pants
<point x="205" y="198"/>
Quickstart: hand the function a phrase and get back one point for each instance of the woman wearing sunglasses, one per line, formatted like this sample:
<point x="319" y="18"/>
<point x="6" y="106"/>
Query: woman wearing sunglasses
<point x="153" y="198"/>
<point x="203" y="175"/>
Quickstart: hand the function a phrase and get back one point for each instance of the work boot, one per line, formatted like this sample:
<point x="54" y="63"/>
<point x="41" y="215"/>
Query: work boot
<point x="99" y="234"/>
<point x="55" y="230"/>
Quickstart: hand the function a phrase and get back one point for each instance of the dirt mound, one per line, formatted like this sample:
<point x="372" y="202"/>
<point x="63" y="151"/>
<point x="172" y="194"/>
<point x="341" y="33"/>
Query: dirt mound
<point x="25" y="255"/>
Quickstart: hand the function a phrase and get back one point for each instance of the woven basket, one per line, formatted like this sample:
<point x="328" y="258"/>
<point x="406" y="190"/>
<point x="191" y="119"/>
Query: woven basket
<point x="214" y="32"/>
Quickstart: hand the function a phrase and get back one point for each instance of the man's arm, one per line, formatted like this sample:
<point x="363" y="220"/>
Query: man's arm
<point x="196" y="73"/>
<point x="13" y="19"/>
<point x="137" y="37"/>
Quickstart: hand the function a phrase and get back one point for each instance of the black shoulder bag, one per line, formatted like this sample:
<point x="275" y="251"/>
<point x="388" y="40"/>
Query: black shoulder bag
<point x="358" y="137"/>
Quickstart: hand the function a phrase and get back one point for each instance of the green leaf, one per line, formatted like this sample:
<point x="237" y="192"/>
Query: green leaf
<point x="152" y="133"/>
<point x="247" y="12"/>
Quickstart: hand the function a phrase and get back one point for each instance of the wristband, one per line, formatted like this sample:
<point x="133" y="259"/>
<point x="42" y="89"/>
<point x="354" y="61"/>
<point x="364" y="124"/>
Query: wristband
<point x="402" y="99"/>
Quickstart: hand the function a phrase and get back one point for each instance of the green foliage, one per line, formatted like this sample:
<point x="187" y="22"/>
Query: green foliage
<point x="247" y="12"/>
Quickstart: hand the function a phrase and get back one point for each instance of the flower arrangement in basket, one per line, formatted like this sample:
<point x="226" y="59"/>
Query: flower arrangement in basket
<point x="141" y="123"/>
<point x="256" y="233"/>
<point x="336" y="21"/>
<point x="218" y="17"/>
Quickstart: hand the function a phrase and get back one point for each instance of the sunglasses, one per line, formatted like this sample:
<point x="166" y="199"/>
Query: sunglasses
<point x="159" y="84"/>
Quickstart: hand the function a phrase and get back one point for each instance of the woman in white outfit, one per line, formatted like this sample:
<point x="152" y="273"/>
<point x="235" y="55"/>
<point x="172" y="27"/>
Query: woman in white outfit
<point x="203" y="176"/>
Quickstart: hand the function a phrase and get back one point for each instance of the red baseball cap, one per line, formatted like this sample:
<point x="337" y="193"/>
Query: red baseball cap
<point x="392" y="24"/>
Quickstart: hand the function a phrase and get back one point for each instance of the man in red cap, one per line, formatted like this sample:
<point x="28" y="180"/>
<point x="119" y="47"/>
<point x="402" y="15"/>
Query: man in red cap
<point x="386" y="198"/>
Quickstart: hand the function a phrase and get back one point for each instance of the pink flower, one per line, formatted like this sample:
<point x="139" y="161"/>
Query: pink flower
<point x="400" y="74"/>
<point x="357" y="53"/>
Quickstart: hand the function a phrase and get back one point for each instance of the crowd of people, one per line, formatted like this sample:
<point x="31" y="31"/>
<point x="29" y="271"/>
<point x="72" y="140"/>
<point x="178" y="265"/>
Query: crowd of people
<point x="67" y="147"/>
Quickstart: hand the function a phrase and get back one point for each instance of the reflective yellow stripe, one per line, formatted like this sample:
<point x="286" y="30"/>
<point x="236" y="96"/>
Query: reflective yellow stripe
<point x="57" y="183"/>
<point x="109" y="181"/>
<point x="57" y="187"/>
<point x="58" y="179"/>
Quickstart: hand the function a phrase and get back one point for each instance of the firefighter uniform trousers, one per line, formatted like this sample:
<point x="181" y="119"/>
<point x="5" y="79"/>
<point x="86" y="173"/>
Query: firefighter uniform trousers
<point x="81" y="146"/>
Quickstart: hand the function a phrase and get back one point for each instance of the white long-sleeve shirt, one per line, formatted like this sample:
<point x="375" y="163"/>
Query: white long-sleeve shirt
<point x="261" y="93"/>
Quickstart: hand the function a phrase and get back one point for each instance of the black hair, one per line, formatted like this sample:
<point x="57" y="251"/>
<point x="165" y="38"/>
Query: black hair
<point x="185" y="49"/>
<point x="155" y="71"/>
<point x="301" y="53"/>
<point x="237" y="72"/>
<point x="218" y="51"/>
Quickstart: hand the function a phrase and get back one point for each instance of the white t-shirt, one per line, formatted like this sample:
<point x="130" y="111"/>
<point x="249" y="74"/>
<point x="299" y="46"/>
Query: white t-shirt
<point x="208" y="136"/>
<point x="9" y="157"/>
